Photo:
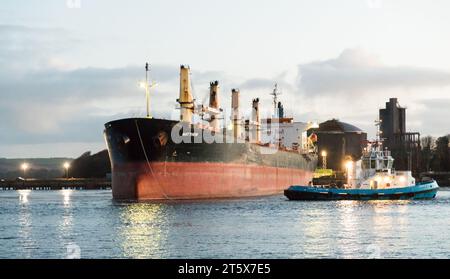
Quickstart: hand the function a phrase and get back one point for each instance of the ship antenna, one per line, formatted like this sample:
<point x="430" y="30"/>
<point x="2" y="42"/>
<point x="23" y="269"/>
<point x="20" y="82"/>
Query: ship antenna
<point x="275" y="93"/>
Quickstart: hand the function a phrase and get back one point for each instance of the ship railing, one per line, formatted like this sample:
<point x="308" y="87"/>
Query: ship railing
<point x="376" y="153"/>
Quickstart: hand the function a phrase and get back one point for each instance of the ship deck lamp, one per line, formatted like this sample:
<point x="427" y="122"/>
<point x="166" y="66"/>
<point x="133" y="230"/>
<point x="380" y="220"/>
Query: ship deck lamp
<point x="146" y="85"/>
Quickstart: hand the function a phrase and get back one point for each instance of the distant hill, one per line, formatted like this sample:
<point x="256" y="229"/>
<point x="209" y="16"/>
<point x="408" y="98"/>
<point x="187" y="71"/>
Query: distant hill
<point x="85" y="166"/>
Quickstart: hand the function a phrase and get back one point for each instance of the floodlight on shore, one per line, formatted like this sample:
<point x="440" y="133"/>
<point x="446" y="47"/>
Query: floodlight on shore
<point x="24" y="167"/>
<point x="66" y="166"/>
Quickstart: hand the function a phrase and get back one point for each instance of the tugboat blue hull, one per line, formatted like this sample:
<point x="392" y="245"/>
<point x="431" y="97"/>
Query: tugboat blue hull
<point x="422" y="190"/>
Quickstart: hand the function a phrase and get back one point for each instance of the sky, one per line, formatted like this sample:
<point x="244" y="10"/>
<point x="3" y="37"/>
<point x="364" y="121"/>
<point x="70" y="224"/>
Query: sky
<point x="69" y="66"/>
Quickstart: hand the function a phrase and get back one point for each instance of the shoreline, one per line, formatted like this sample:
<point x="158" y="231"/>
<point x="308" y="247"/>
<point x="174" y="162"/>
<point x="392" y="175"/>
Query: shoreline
<point x="57" y="184"/>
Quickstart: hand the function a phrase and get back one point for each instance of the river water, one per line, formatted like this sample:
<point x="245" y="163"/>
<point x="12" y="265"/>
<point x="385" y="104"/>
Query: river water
<point x="89" y="224"/>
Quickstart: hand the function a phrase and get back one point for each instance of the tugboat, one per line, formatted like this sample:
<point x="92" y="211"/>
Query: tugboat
<point x="370" y="178"/>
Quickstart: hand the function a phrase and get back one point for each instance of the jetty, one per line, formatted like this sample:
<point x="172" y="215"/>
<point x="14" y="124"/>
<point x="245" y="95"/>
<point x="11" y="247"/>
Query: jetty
<point x="56" y="184"/>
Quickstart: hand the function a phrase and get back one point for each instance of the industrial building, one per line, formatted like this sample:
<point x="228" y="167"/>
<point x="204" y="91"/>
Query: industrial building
<point x="404" y="146"/>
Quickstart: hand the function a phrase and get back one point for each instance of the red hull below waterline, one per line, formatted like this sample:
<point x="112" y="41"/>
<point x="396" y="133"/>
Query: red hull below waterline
<point x="201" y="180"/>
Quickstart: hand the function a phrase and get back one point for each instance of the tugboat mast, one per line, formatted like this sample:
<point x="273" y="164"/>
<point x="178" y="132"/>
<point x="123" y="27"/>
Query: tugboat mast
<point x="379" y="140"/>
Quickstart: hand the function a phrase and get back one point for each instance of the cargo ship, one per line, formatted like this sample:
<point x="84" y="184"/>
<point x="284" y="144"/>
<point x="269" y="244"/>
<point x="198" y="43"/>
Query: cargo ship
<point x="163" y="159"/>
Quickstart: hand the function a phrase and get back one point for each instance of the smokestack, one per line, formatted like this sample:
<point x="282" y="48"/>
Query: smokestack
<point x="214" y="94"/>
<point x="214" y="103"/>
<point x="256" y="121"/>
<point x="235" y="115"/>
<point x="186" y="101"/>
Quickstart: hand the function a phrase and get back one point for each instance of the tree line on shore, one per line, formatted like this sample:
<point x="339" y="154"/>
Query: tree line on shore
<point x="435" y="154"/>
<point x="91" y="165"/>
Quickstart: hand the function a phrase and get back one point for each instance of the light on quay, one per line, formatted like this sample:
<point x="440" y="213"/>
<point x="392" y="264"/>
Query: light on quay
<point x="24" y="167"/>
<point x="66" y="166"/>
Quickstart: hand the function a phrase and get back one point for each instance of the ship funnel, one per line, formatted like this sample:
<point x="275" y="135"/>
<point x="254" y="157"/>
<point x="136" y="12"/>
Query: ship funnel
<point x="235" y="115"/>
<point x="214" y="94"/>
<point x="186" y="100"/>
<point x="256" y="131"/>
<point x="214" y="104"/>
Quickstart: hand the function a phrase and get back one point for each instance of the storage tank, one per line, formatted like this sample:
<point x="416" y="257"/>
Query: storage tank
<point x="339" y="141"/>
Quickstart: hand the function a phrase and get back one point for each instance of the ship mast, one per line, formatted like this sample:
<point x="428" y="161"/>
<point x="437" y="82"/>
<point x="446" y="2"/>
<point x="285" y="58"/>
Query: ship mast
<point x="147" y="87"/>
<point x="275" y="93"/>
<point x="147" y="97"/>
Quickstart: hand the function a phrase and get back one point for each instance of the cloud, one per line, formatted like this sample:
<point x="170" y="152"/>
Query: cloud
<point x="354" y="85"/>
<point x="431" y="117"/>
<point x="257" y="83"/>
<point x="23" y="47"/>
<point x="60" y="105"/>
<point x="356" y="71"/>
<point x="45" y="101"/>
